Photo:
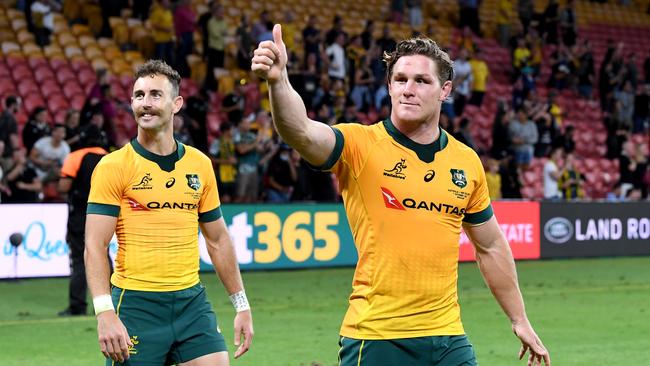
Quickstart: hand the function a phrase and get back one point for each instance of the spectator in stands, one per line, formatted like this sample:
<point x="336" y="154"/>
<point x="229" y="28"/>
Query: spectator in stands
<point x="282" y="175"/>
<point x="361" y="93"/>
<point x="641" y="110"/>
<point x="634" y="195"/>
<point x="566" y="140"/>
<point x="337" y="69"/>
<point x="552" y="176"/>
<point x="248" y="148"/>
<point x="180" y="130"/>
<point x="547" y="130"/>
<point x="94" y="96"/>
<point x="72" y="129"/>
<point x="141" y="9"/>
<point x="260" y="27"/>
<point x="397" y="10"/>
<point x="311" y="37"/>
<point x="523" y="134"/>
<point x="415" y="13"/>
<point x="386" y="42"/>
<point x="463" y="135"/>
<point x="245" y="43"/>
<point x="554" y="109"/>
<point x="9" y="125"/>
<point x="500" y="132"/>
<point x="463" y="80"/>
<point x="526" y="10"/>
<point x="222" y="154"/>
<point x="42" y="17"/>
<point x="616" y="137"/>
<point x="493" y="179"/>
<point x="521" y="56"/>
<point x="480" y="76"/>
<point x="624" y="106"/>
<point x="466" y="40"/>
<point x="510" y="184"/>
<point x="550" y="22"/>
<point x="469" y="15"/>
<point x="586" y="71"/>
<point x="48" y="154"/>
<point x="23" y="184"/>
<point x="571" y="181"/>
<point x="217" y="30"/>
<point x="633" y="165"/>
<point x="96" y="122"/>
<point x="5" y="164"/>
<point x="569" y="24"/>
<point x="162" y="22"/>
<point x="504" y="21"/>
<point x="616" y="194"/>
<point x="562" y="68"/>
<point x="367" y="35"/>
<point x="184" y="26"/>
<point x="234" y="102"/>
<point x="631" y="71"/>
<point x="35" y="128"/>
<point x="197" y="107"/>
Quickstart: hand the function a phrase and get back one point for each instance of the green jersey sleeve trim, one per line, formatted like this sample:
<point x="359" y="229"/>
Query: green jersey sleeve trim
<point x="336" y="153"/>
<point x="480" y="217"/>
<point x="212" y="215"/>
<point x="103" y="209"/>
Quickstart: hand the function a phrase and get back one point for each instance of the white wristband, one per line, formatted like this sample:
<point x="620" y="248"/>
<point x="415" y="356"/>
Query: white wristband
<point x="102" y="303"/>
<point x="239" y="301"/>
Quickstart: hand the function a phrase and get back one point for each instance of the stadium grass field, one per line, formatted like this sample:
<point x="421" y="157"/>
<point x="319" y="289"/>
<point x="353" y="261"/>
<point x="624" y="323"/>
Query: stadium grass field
<point x="588" y="312"/>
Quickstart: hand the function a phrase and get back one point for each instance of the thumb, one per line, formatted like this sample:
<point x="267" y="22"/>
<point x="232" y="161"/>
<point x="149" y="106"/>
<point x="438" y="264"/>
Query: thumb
<point x="277" y="35"/>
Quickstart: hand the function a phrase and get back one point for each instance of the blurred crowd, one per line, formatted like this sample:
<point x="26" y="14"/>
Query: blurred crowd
<point x="341" y="78"/>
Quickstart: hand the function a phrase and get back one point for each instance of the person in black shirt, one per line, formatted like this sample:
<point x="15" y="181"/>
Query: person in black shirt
<point x="9" y="125"/>
<point x="76" y="173"/>
<point x="22" y="181"/>
<point x="35" y="128"/>
<point x="197" y="108"/>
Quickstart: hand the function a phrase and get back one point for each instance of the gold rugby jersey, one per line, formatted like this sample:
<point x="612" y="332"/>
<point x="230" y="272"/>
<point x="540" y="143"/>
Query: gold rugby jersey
<point x="405" y="204"/>
<point x="158" y="202"/>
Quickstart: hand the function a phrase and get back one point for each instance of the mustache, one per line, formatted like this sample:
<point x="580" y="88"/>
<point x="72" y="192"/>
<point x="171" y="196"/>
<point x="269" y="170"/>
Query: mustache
<point x="141" y="112"/>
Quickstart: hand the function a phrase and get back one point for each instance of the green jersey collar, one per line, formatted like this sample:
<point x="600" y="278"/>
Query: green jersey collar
<point x="425" y="152"/>
<point x="166" y="163"/>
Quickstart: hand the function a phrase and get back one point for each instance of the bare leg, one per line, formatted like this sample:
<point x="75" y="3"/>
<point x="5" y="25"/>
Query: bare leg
<point x="212" y="359"/>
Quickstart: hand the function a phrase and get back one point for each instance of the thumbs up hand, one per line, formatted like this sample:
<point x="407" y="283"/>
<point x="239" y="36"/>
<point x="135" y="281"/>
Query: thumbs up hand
<point x="270" y="58"/>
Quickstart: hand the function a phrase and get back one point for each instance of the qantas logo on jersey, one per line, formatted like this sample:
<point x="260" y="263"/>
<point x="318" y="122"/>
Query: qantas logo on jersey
<point x="173" y="205"/>
<point x="136" y="206"/>
<point x="391" y="201"/>
<point x="396" y="172"/>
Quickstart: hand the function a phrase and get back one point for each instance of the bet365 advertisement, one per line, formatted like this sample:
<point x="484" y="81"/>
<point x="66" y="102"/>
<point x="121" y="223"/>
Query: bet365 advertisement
<point x="264" y="236"/>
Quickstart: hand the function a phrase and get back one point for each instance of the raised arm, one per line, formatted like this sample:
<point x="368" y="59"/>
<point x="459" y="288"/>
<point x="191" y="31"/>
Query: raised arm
<point x="224" y="260"/>
<point x="313" y="140"/>
<point x="495" y="261"/>
<point x="112" y="334"/>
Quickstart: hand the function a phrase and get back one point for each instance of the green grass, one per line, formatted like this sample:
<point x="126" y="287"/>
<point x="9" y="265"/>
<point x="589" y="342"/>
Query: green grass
<point x="588" y="312"/>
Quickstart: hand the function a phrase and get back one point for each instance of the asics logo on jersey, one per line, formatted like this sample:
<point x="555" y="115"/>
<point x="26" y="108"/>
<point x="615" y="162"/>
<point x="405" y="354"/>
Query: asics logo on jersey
<point x="429" y="176"/>
<point x="390" y="200"/>
<point x="396" y="172"/>
<point x="170" y="182"/>
<point x="144" y="182"/>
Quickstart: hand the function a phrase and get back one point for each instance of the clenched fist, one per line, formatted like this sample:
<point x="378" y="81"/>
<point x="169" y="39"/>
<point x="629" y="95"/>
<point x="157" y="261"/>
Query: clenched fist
<point x="270" y="58"/>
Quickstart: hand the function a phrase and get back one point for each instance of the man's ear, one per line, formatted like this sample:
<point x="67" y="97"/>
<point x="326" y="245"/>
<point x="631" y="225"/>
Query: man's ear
<point x="447" y="86"/>
<point x="178" y="104"/>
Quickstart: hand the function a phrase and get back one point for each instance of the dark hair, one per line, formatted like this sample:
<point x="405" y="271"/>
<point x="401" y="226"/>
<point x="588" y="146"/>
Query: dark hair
<point x="11" y="101"/>
<point x="158" y="67"/>
<point x="69" y="114"/>
<point x="425" y="47"/>
<point x="225" y="126"/>
<point x="58" y="125"/>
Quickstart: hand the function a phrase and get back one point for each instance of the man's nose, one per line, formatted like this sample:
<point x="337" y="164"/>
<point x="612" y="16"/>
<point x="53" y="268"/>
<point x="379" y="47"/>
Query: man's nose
<point x="409" y="88"/>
